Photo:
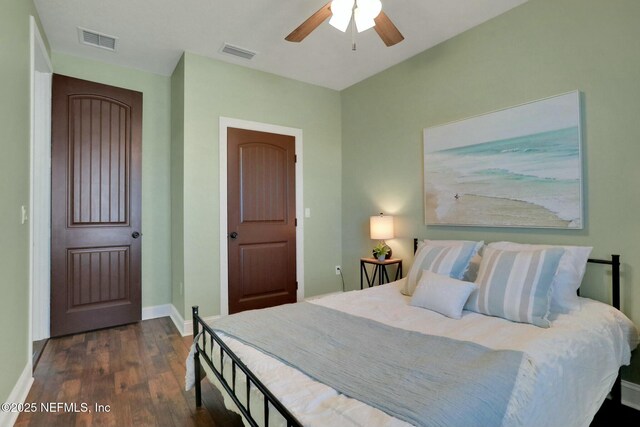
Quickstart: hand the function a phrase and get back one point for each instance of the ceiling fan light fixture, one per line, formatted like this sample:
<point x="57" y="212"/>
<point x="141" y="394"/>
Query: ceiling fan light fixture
<point x="341" y="11"/>
<point x="340" y="22"/>
<point x="365" y="13"/>
<point x="370" y="8"/>
<point x="363" y="20"/>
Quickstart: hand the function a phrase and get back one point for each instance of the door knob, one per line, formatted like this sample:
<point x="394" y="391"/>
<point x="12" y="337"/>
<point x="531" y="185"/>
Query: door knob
<point x="135" y="234"/>
<point x="233" y="235"/>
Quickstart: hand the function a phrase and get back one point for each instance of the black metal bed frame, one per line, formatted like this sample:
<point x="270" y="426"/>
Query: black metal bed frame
<point x="616" y="391"/>
<point x="206" y="351"/>
<point x="205" y="348"/>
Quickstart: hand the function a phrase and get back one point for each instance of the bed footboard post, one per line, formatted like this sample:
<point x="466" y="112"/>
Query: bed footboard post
<point x="196" y="355"/>
<point x="615" y="273"/>
<point x="616" y="391"/>
<point x="196" y="325"/>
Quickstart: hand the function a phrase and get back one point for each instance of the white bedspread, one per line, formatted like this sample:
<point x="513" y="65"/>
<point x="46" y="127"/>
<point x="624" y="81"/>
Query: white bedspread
<point x="576" y="360"/>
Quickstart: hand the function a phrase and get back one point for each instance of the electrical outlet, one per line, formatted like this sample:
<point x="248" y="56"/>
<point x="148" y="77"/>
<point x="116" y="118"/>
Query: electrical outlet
<point x="338" y="269"/>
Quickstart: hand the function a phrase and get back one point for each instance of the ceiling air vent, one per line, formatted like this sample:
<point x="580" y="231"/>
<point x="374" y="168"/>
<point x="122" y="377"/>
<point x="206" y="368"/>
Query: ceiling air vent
<point x="96" y="39"/>
<point x="237" y="51"/>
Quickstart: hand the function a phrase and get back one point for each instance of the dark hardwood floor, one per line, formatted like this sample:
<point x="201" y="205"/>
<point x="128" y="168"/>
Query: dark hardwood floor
<point x="138" y="370"/>
<point x="37" y="350"/>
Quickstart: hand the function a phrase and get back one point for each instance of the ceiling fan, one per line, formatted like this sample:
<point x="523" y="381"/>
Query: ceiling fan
<point x="364" y="13"/>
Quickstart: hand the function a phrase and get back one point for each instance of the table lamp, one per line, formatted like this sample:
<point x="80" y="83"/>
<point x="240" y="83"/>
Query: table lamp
<point x="381" y="228"/>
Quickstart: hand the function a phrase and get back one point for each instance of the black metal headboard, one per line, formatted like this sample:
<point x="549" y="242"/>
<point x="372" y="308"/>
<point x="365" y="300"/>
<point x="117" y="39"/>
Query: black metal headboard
<point x="614" y="262"/>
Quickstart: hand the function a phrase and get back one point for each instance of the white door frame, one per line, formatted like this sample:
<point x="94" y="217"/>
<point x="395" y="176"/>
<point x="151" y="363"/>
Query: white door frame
<point x="39" y="187"/>
<point x="226" y="123"/>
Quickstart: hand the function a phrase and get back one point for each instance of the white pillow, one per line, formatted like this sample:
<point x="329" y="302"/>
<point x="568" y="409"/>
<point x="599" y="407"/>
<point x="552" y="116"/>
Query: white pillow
<point x="564" y="296"/>
<point x="442" y="294"/>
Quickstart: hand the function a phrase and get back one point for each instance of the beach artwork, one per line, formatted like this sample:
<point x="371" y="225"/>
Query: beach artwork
<point x="518" y="167"/>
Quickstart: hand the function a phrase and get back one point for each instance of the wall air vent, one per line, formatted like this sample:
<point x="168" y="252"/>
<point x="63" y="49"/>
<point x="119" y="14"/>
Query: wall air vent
<point x="237" y="51"/>
<point x="96" y="39"/>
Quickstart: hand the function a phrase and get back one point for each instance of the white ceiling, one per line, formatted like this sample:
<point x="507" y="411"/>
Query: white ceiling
<point x="152" y="34"/>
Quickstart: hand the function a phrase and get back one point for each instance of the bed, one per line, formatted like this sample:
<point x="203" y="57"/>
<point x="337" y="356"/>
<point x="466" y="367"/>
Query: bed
<point x="565" y="373"/>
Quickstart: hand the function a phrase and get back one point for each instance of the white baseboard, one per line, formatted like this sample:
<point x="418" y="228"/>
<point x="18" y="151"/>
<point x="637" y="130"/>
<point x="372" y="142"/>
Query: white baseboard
<point x="156" y="311"/>
<point x="185" y="327"/>
<point x="18" y="395"/>
<point x="631" y="395"/>
<point x="166" y="310"/>
<point x="177" y="320"/>
<point x="188" y="324"/>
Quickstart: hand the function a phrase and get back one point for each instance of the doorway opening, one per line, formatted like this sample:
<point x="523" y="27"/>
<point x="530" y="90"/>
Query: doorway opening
<point x="41" y="72"/>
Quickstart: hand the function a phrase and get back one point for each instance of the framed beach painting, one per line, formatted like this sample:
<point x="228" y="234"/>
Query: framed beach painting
<point x="517" y="167"/>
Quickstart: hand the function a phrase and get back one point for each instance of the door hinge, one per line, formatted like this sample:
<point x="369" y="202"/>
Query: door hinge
<point x="295" y="158"/>
<point x="296" y="222"/>
<point x="296" y="285"/>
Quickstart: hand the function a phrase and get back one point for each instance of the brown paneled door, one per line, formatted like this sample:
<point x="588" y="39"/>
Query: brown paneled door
<point x="261" y="219"/>
<point x="95" y="206"/>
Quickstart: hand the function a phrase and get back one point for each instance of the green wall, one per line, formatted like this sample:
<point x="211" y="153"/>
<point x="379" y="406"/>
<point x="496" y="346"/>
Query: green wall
<point x="14" y="190"/>
<point x="156" y="140"/>
<point x="213" y="89"/>
<point x="539" y="49"/>
<point x="177" y="187"/>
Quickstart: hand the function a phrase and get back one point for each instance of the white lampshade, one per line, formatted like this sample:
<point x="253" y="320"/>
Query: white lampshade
<point x="363" y="20"/>
<point x="341" y="14"/>
<point x="365" y="13"/>
<point x="381" y="227"/>
<point x="371" y="7"/>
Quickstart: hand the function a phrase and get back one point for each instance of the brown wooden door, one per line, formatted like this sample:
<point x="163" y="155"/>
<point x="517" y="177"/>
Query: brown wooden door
<point x="95" y="206"/>
<point x="261" y="219"/>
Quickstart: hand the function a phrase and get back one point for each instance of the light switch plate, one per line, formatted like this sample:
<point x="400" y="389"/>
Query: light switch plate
<point x="307" y="212"/>
<point x="23" y="214"/>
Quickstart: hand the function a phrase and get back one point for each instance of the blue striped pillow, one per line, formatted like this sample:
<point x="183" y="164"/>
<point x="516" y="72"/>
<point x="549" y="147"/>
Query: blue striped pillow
<point x="451" y="260"/>
<point x="516" y="285"/>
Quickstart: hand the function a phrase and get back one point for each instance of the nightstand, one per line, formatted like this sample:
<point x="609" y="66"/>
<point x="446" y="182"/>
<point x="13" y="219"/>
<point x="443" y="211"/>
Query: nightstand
<point x="379" y="270"/>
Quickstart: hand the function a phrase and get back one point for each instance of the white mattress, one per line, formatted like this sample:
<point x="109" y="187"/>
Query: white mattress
<point x="576" y="360"/>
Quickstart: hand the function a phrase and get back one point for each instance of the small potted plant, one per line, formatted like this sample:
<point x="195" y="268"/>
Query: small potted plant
<point x="380" y="251"/>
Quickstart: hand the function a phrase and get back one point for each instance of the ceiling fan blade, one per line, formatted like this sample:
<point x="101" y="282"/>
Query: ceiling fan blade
<point x="386" y="30"/>
<point x="310" y="24"/>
